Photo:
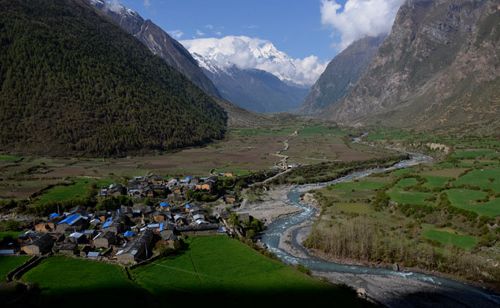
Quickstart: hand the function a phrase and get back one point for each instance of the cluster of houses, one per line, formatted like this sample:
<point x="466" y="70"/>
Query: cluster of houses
<point x="131" y="233"/>
<point x="128" y="235"/>
<point x="155" y="186"/>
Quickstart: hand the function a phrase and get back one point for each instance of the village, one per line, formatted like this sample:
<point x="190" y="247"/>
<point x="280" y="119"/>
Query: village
<point x="162" y="213"/>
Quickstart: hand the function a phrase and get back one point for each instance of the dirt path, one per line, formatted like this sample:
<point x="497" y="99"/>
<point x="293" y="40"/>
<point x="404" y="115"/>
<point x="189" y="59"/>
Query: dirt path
<point x="283" y="162"/>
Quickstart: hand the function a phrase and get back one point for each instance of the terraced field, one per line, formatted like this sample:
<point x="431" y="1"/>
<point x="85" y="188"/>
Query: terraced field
<point x="442" y="216"/>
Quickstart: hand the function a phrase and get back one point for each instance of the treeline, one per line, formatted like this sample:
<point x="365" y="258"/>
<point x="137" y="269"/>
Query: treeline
<point x="329" y="171"/>
<point x="74" y="83"/>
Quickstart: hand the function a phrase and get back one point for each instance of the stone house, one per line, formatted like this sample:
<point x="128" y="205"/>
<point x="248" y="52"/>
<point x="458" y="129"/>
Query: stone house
<point x="39" y="246"/>
<point x="137" y="250"/>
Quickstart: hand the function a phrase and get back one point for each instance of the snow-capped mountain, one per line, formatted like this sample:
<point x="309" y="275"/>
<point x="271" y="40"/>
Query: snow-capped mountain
<point x="219" y="54"/>
<point x="253" y="73"/>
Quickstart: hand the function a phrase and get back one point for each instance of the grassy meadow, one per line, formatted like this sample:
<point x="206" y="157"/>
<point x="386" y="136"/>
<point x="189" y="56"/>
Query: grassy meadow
<point x="9" y="263"/>
<point x="210" y="267"/>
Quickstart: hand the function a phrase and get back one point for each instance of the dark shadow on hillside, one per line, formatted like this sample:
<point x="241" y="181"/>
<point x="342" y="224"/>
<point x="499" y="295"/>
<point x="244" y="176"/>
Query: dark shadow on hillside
<point x="136" y="297"/>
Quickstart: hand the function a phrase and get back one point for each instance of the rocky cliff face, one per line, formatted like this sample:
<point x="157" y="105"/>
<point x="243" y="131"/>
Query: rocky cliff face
<point x="158" y="41"/>
<point x="341" y="74"/>
<point x="440" y="66"/>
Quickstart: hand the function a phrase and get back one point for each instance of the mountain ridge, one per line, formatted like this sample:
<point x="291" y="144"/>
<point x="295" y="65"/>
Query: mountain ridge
<point x="73" y="83"/>
<point x="438" y="67"/>
<point x="341" y="74"/>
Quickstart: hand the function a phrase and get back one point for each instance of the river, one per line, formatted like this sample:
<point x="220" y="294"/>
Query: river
<point x="384" y="286"/>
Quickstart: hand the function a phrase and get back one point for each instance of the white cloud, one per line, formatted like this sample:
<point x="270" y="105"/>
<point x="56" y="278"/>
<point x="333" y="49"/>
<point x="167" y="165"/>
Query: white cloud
<point x="176" y="34"/>
<point x="245" y="53"/>
<point x="209" y="27"/>
<point x="200" y="33"/>
<point x="147" y="3"/>
<point x="359" y="18"/>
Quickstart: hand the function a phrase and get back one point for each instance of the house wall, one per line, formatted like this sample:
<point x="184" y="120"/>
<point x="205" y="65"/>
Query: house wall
<point x="126" y="258"/>
<point x="32" y="250"/>
<point x="101" y="242"/>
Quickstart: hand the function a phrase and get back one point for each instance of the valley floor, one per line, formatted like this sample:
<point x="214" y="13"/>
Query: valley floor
<point x="243" y="151"/>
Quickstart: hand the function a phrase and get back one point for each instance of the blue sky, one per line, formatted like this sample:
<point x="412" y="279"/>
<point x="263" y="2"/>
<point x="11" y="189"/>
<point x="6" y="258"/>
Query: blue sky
<point x="294" y="26"/>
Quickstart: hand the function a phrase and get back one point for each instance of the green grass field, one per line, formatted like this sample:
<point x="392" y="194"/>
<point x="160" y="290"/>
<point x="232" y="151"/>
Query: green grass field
<point x="9" y="158"/>
<point x="406" y="182"/>
<point x="221" y="263"/>
<point x="13" y="234"/>
<point x="251" y="132"/>
<point x="483" y="178"/>
<point x="401" y="172"/>
<point x="210" y="268"/>
<point x="66" y="281"/>
<point x="432" y="182"/>
<point x="57" y="275"/>
<point x="9" y="263"/>
<point x="78" y="190"/>
<point x="447" y="237"/>
<point x="361" y="185"/>
<point x="235" y="171"/>
<point x="409" y="197"/>
<point x="475" y="153"/>
<point x="320" y="130"/>
<point x="468" y="200"/>
<point x="388" y="134"/>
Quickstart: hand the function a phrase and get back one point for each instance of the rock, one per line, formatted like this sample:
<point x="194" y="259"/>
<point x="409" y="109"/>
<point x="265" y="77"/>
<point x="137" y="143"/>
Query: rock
<point x="395" y="267"/>
<point x="361" y="293"/>
<point x="309" y="198"/>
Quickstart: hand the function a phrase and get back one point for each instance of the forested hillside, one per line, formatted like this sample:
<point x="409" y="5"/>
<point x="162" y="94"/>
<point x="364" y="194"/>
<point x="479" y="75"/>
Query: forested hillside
<point x="74" y="83"/>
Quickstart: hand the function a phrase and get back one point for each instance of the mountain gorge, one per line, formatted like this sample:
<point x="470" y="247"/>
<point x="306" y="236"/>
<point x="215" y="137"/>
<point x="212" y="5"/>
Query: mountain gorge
<point x="268" y="80"/>
<point x="257" y="90"/>
<point x="341" y="74"/>
<point x="74" y="83"/>
<point x="439" y="67"/>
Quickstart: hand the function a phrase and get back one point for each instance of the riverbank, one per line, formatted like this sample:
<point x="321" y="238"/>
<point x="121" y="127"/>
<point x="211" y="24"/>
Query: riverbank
<point x="302" y="232"/>
<point x="391" y="288"/>
<point x="272" y="205"/>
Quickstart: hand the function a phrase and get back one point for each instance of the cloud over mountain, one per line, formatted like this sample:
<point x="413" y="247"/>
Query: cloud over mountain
<point x="359" y="18"/>
<point x="245" y="53"/>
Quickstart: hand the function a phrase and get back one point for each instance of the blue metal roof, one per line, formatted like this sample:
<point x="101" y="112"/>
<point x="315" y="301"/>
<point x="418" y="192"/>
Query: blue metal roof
<point x="129" y="233"/>
<point x="164" y="204"/>
<point x="188" y="206"/>
<point x="71" y="219"/>
<point x="161" y="227"/>
<point x="53" y="215"/>
<point x="107" y="223"/>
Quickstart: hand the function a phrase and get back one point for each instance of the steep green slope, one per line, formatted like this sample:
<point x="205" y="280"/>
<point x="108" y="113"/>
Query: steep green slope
<point x="74" y="83"/>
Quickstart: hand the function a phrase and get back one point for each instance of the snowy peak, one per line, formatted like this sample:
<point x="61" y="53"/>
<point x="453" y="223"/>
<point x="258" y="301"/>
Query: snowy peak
<point x="114" y="6"/>
<point x="218" y="54"/>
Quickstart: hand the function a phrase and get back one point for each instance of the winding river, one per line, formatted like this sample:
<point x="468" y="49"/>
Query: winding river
<point x="446" y="292"/>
